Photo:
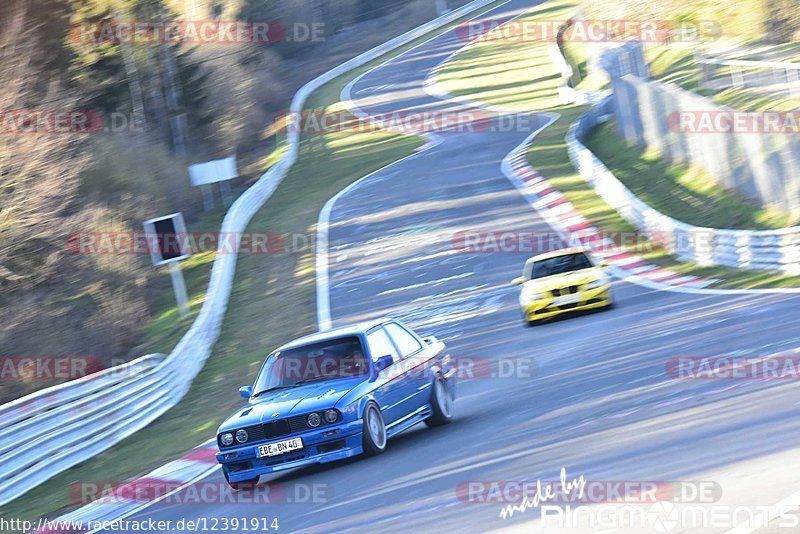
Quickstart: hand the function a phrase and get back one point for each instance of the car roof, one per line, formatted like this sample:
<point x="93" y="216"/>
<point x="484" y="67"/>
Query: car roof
<point x="340" y="331"/>
<point x="555" y="254"/>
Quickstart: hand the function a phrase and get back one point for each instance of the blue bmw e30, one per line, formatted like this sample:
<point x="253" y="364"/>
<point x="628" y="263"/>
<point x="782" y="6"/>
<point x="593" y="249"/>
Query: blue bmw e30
<point x="336" y="394"/>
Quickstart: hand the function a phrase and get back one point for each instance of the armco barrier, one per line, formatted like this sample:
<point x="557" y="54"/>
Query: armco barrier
<point x="759" y="164"/>
<point x="772" y="250"/>
<point x="52" y="430"/>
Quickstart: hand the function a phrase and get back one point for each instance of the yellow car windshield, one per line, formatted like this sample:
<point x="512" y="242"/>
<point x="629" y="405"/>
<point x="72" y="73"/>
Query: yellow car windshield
<point x="560" y="265"/>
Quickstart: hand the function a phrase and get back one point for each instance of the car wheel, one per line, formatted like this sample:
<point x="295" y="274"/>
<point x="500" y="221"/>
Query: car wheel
<point x="373" y="435"/>
<point x="243" y="485"/>
<point x="442" y="403"/>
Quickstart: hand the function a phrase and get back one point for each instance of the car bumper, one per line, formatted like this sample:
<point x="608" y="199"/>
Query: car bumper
<point x="327" y="444"/>
<point x="585" y="300"/>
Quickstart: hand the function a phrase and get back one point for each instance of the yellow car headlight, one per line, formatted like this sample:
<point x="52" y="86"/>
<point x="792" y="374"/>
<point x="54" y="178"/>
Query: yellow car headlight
<point x="594" y="284"/>
<point x="532" y="296"/>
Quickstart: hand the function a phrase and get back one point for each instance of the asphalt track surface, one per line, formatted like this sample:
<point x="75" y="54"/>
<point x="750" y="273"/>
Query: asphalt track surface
<point x="591" y="392"/>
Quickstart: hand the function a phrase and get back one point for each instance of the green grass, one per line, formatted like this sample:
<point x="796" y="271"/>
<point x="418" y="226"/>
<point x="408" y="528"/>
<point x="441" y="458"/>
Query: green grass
<point x="687" y="194"/>
<point x="272" y="302"/>
<point x="520" y="75"/>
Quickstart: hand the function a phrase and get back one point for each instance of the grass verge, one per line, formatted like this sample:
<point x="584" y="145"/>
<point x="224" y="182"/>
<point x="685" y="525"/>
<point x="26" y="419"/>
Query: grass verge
<point x="519" y="75"/>
<point x="272" y="301"/>
<point x="685" y="193"/>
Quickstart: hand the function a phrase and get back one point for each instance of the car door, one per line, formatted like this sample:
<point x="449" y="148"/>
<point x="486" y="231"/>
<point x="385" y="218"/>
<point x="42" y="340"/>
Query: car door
<point x="416" y="362"/>
<point x="389" y="382"/>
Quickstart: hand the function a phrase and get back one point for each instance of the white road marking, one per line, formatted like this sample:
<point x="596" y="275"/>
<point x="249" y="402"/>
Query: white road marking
<point x="425" y="284"/>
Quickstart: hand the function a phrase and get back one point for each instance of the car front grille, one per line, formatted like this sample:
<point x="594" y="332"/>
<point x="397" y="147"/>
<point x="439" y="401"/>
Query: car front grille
<point x="299" y="423"/>
<point x="256" y="433"/>
<point x="277" y="429"/>
<point x="560" y="292"/>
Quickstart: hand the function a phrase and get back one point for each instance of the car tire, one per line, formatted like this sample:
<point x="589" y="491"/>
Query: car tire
<point x="442" y="403"/>
<point x="373" y="434"/>
<point x="243" y="485"/>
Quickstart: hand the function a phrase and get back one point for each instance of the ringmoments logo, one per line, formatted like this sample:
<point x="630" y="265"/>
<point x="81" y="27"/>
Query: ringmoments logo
<point x="668" y="517"/>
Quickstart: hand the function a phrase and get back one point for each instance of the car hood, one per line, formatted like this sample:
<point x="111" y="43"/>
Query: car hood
<point x="288" y="402"/>
<point x="564" y="280"/>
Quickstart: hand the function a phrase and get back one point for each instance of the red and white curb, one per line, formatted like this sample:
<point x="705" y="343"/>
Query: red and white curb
<point x="117" y="504"/>
<point x="554" y="207"/>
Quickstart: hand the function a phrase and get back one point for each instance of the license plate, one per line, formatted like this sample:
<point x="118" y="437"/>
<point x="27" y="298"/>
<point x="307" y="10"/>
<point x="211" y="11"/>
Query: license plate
<point x="570" y="299"/>
<point x="280" y="447"/>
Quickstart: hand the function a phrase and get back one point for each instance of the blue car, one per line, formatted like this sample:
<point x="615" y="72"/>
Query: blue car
<point x="336" y="394"/>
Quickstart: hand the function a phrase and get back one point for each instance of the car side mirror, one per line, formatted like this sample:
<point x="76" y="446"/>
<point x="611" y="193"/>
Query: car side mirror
<point x="383" y="362"/>
<point x="246" y="392"/>
<point x="518" y="281"/>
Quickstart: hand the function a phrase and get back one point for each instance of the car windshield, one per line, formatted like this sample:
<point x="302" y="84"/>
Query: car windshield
<point x="559" y="265"/>
<point x="325" y="360"/>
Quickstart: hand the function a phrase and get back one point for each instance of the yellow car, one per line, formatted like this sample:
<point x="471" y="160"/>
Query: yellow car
<point x="562" y="281"/>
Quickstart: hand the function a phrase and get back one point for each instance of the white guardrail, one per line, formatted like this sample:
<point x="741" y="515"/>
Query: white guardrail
<point x="52" y="430"/>
<point x="772" y="250"/>
<point x="784" y="73"/>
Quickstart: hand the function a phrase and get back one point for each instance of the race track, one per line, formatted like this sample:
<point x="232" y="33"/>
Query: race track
<point x="597" y="401"/>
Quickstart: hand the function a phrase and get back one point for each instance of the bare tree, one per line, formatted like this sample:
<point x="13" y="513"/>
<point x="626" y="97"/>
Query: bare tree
<point x="39" y="159"/>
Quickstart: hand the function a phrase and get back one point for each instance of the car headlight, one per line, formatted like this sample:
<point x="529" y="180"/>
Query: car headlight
<point x="314" y="419"/>
<point x="331" y="416"/>
<point x="241" y="435"/>
<point x="226" y="439"/>
<point x="594" y="284"/>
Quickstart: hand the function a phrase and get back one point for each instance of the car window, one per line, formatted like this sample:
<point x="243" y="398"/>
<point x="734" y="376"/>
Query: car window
<point x="558" y="265"/>
<point x="407" y="343"/>
<point x="324" y="360"/>
<point x="380" y="345"/>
